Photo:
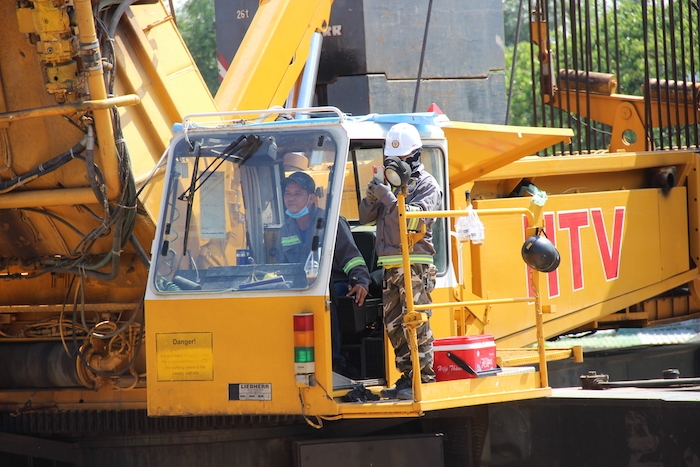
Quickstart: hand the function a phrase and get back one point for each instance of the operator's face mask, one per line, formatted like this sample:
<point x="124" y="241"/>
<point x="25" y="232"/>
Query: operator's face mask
<point x="304" y="211"/>
<point x="413" y="160"/>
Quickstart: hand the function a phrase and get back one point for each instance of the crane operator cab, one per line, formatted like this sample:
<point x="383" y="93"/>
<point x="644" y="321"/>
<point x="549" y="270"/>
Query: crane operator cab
<point x="240" y="310"/>
<point x="225" y="208"/>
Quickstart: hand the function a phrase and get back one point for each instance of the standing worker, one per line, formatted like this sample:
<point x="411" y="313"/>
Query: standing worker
<point x="296" y="238"/>
<point x="380" y="205"/>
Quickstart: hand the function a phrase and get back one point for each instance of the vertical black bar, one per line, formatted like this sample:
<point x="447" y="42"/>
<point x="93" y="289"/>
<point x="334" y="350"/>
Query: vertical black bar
<point x="618" y="71"/>
<point x="686" y="91"/>
<point x="588" y="51"/>
<point x="568" y="65"/>
<point x="582" y="125"/>
<point x="675" y="77"/>
<point x="536" y="84"/>
<point x="422" y="55"/>
<point x="606" y="51"/>
<point x="573" y="17"/>
<point x="664" y="41"/>
<point x="601" y="24"/>
<point x="559" y="38"/>
<point x="647" y="91"/>
<point x="598" y="57"/>
<point x="657" y="74"/>
<point x="606" y="38"/>
<point x="692" y="41"/>
<point x="514" y="61"/>
<point x="541" y="6"/>
<point x="550" y="109"/>
<point x="598" y="53"/>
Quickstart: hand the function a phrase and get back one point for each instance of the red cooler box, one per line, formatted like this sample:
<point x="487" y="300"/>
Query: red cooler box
<point x="455" y="356"/>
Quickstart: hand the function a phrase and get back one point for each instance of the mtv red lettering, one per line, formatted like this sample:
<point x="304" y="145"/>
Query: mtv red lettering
<point x="552" y="277"/>
<point x="573" y="221"/>
<point x="609" y="254"/>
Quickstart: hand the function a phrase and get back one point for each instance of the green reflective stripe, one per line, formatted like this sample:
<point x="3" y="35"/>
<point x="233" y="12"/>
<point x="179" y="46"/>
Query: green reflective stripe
<point x="421" y="259"/>
<point x="413" y="222"/>
<point x="353" y="263"/>
<point x="289" y="241"/>
<point x="389" y="260"/>
<point x="397" y="260"/>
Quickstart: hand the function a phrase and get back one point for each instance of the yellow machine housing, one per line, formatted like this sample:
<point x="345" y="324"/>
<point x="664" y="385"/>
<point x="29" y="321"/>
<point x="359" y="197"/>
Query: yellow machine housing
<point x="78" y="212"/>
<point x="240" y="348"/>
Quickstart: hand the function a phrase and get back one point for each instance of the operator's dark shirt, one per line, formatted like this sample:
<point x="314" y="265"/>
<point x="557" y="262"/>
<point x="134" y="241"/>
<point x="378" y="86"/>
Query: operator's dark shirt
<point x="295" y="245"/>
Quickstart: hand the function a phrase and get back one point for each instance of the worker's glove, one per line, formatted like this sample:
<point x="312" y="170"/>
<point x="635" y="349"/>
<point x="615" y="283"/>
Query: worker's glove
<point x="378" y="190"/>
<point x="369" y="194"/>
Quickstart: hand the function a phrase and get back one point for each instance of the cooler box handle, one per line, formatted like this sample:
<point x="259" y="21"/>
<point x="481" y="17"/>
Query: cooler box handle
<point x="465" y="366"/>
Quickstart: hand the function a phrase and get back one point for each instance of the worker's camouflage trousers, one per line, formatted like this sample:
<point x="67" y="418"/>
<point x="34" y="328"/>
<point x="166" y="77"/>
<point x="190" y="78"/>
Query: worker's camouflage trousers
<point x="394" y="297"/>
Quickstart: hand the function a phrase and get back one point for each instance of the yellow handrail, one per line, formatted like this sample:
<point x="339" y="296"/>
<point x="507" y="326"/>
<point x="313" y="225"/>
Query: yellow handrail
<point x="414" y="317"/>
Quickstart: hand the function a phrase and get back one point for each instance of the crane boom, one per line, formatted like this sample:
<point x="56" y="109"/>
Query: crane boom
<point x="273" y="54"/>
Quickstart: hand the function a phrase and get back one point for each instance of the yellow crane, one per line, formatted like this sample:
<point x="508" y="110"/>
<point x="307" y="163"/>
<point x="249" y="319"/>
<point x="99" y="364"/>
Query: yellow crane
<point x="206" y="323"/>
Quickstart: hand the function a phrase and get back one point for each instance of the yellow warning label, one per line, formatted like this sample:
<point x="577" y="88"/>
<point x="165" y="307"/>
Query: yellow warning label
<point x="185" y="356"/>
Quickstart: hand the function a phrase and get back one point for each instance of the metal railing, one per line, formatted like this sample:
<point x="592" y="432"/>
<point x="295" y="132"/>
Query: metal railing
<point x="414" y="318"/>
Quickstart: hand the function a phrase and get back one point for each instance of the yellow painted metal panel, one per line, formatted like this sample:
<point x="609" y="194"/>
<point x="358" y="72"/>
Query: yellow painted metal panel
<point x="532" y="167"/>
<point x="452" y="394"/>
<point x="253" y="343"/>
<point x="611" y="243"/>
<point x="441" y="322"/>
<point x="196" y="338"/>
<point x="477" y="149"/>
<point x="694" y="209"/>
<point x="154" y="63"/>
<point x="76" y="399"/>
<point x="673" y="219"/>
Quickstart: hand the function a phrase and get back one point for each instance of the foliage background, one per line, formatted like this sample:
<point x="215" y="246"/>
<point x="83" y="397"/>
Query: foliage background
<point x="195" y="20"/>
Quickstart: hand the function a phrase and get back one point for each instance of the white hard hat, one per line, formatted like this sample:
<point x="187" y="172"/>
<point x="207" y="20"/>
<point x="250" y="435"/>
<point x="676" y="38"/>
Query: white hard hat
<point x="402" y="140"/>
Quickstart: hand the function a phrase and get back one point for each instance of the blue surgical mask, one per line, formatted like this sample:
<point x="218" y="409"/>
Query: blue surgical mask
<point x="298" y="215"/>
<point x="304" y="211"/>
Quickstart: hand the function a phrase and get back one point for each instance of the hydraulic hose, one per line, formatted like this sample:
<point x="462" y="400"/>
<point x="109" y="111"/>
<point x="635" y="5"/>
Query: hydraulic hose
<point x="45" y="168"/>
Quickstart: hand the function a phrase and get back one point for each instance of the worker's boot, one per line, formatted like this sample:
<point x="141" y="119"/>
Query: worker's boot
<point x="401" y="384"/>
<point x="406" y="394"/>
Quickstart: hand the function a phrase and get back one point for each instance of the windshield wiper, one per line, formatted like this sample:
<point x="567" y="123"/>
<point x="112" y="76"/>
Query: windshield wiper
<point x="190" y="198"/>
<point x="239" y="151"/>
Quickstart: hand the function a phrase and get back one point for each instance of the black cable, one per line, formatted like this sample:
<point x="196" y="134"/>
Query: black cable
<point x="684" y="74"/>
<point x="422" y="55"/>
<point x="515" y="58"/>
<point x="123" y="328"/>
<point x="54" y="217"/>
<point x="140" y="252"/>
<point x="45" y="168"/>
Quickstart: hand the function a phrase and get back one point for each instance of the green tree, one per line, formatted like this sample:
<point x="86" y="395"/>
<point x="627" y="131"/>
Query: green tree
<point x="195" y="20"/>
<point x="620" y="37"/>
<point x="520" y="96"/>
<point x="511" y="9"/>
